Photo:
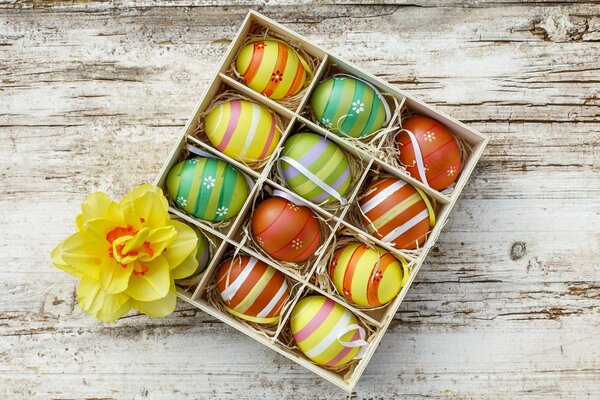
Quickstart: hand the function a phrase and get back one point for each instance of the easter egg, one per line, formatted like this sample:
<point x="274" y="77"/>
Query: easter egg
<point x="430" y="152"/>
<point x="315" y="168"/>
<point x="202" y="256"/>
<point x="272" y="68"/>
<point x="286" y="231"/>
<point x="251" y="289"/>
<point x="366" y="276"/>
<point x="326" y="332"/>
<point x="397" y="212"/>
<point x="207" y="188"/>
<point x="349" y="107"/>
<point x="243" y="130"/>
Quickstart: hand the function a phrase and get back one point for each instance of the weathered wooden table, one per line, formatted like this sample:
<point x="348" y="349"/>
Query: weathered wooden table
<point x="507" y="306"/>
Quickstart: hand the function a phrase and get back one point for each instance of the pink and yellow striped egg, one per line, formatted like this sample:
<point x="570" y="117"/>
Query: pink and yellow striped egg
<point x="324" y="331"/>
<point x="272" y="68"/>
<point x="242" y="130"/>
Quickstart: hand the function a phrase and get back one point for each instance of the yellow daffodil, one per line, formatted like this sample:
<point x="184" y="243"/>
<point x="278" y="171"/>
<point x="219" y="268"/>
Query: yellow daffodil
<point x="124" y="254"/>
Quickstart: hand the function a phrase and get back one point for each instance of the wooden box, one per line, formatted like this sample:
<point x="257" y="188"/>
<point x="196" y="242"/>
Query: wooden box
<point x="371" y="158"/>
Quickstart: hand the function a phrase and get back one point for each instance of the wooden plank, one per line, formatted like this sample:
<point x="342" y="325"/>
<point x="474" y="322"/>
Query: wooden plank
<point x="506" y="305"/>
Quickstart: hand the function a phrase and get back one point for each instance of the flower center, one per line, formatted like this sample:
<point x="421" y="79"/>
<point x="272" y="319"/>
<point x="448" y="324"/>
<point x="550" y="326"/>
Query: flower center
<point x="128" y="246"/>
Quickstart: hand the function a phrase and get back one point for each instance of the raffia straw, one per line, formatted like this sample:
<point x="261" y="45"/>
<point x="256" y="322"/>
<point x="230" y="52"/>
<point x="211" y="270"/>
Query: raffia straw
<point x="189" y="284"/>
<point x="217" y="225"/>
<point x="301" y="269"/>
<point x="268" y="330"/>
<point x="286" y="338"/>
<point x="357" y="167"/>
<point x="357" y="218"/>
<point x="224" y="97"/>
<point x="321" y="276"/>
<point x="259" y="32"/>
<point x="388" y="152"/>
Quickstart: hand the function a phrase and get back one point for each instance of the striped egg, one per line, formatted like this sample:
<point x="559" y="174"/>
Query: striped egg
<point x="202" y="257"/>
<point x="349" y="107"/>
<point x="272" y="68"/>
<point x="286" y="231"/>
<point x="243" y="130"/>
<point x="207" y="188"/>
<point x="366" y="276"/>
<point x="315" y="168"/>
<point x="326" y="332"/>
<point x="251" y="289"/>
<point x="397" y="212"/>
<point x="430" y="152"/>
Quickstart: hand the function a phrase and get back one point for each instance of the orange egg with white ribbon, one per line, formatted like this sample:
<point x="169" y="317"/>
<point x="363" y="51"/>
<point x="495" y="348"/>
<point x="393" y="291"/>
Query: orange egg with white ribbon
<point x="430" y="152"/>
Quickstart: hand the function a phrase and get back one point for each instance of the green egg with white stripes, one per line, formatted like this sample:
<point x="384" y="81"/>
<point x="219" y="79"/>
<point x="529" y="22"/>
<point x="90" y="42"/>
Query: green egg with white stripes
<point x="207" y="188"/>
<point x="348" y="106"/>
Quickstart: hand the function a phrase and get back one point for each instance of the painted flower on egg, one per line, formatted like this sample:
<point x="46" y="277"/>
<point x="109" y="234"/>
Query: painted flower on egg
<point x="126" y="254"/>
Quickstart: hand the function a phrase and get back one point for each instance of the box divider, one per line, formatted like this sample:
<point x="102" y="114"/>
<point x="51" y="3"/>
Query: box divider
<point x="378" y="242"/>
<point x="315" y="80"/>
<point x="269" y="103"/>
<point x="343" y="303"/>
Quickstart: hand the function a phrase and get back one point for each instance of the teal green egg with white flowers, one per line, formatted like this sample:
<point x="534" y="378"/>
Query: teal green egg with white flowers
<point x="349" y="106"/>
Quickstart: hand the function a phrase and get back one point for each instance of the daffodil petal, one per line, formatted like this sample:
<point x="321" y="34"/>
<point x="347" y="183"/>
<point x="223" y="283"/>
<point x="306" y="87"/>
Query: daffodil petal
<point x="114" y="278"/>
<point x="75" y="252"/>
<point x="57" y="260"/>
<point x="94" y="301"/>
<point x="184" y="245"/>
<point x="153" y="284"/>
<point x="145" y="207"/>
<point x="110" y="317"/>
<point x="158" y="308"/>
<point x="96" y="231"/>
<point x="187" y="268"/>
<point x="160" y="238"/>
<point x="98" y="205"/>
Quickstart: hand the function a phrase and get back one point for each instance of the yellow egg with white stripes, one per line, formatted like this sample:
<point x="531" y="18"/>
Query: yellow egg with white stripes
<point x="326" y="332"/>
<point x="243" y="130"/>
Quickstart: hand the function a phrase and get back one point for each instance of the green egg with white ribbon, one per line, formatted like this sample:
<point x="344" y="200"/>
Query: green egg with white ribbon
<point x="315" y="168"/>
<point x="349" y="106"/>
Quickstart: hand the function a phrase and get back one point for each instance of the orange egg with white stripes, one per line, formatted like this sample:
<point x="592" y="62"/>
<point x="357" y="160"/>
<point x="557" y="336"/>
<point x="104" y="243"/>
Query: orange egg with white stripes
<point x="251" y="289"/>
<point x="272" y="68"/>
<point x="243" y="130"/>
<point x="326" y="332"/>
<point x="366" y="276"/>
<point x="397" y="212"/>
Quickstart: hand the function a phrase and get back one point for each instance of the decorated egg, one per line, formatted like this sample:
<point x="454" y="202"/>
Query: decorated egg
<point x="207" y="188"/>
<point x="243" y="130"/>
<point x="315" y="168"/>
<point x="286" y="231"/>
<point x="251" y="289"/>
<point x="430" y="152"/>
<point x="202" y="256"/>
<point x="349" y="106"/>
<point x="366" y="276"/>
<point x="397" y="212"/>
<point x="326" y="332"/>
<point x="273" y="68"/>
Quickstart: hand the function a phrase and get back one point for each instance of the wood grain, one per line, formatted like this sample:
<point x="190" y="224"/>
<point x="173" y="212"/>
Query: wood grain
<point x="507" y="304"/>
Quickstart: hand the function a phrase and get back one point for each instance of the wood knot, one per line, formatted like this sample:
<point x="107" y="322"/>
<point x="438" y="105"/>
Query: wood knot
<point x="518" y="251"/>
